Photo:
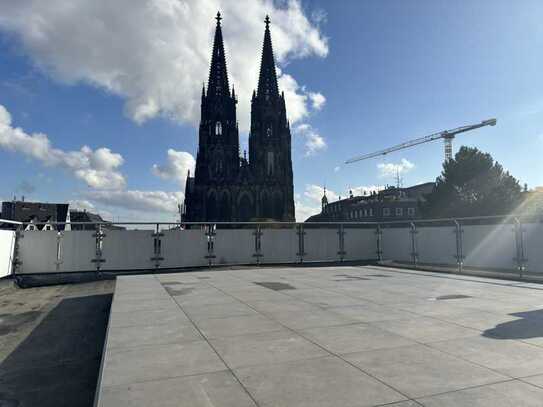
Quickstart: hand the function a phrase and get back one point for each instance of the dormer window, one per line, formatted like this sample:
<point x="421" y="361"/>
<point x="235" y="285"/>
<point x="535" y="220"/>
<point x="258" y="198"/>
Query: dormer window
<point x="218" y="129"/>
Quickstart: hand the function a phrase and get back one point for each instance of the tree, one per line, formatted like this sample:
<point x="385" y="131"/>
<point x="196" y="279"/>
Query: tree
<point x="472" y="184"/>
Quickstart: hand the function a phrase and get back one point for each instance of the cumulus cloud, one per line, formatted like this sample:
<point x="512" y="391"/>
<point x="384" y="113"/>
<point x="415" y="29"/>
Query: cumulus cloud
<point x="391" y="169"/>
<point x="304" y="211"/>
<point x="178" y="163"/>
<point x="366" y="190"/>
<point x="97" y="168"/>
<point x="314" y="142"/>
<point x="145" y="201"/>
<point x="317" y="100"/>
<point x="155" y="53"/>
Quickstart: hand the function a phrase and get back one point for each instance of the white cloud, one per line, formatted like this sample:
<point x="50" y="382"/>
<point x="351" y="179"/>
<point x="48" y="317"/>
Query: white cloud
<point x="317" y="100"/>
<point x="176" y="168"/>
<point x="315" y="192"/>
<point x="82" y="205"/>
<point x="304" y="211"/>
<point x="314" y="142"/>
<point x="391" y="169"/>
<point x="97" y="168"/>
<point x="337" y="169"/>
<point x="155" y="53"/>
<point x="144" y="201"/>
<point x="367" y="190"/>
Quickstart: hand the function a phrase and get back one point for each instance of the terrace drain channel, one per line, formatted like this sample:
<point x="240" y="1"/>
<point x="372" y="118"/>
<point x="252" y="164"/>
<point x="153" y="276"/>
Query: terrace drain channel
<point x="276" y="286"/>
<point x="452" y="297"/>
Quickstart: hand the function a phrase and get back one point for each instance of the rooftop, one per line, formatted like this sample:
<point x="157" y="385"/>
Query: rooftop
<point x="323" y="336"/>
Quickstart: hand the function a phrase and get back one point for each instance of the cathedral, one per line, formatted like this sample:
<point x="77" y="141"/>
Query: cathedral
<point x="228" y="187"/>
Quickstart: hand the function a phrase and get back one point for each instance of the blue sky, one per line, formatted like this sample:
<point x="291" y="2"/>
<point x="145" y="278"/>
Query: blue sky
<point x="389" y="71"/>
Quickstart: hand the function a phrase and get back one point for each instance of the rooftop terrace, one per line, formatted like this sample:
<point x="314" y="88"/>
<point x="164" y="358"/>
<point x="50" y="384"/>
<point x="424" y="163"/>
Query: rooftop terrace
<point x="327" y="336"/>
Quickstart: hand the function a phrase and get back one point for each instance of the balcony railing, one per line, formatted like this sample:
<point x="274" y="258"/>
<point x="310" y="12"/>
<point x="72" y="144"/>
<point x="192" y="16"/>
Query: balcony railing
<point x="493" y="243"/>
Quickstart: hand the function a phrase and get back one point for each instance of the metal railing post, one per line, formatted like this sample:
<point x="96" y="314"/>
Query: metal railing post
<point x="157" y="246"/>
<point x="341" y="241"/>
<point x="99" y="244"/>
<point x="17" y="262"/>
<point x="520" y="251"/>
<point x="414" y="253"/>
<point x="301" y="242"/>
<point x="258" y="248"/>
<point x="459" y="245"/>
<point x="379" y="242"/>
<point x="59" y="261"/>
<point x="210" y="233"/>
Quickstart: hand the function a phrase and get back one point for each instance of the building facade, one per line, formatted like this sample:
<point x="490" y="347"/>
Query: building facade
<point x="390" y="204"/>
<point x="225" y="185"/>
<point x="39" y="215"/>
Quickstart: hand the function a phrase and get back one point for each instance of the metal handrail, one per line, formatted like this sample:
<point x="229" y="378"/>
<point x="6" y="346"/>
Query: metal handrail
<point x="373" y="223"/>
<point x="12" y="222"/>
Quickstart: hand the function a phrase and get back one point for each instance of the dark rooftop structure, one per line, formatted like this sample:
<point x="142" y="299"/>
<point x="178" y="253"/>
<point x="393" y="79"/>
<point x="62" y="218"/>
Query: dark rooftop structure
<point x="37" y="212"/>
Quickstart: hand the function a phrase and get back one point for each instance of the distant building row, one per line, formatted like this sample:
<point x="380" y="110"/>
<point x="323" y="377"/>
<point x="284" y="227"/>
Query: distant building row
<point x="44" y="216"/>
<point x="386" y="205"/>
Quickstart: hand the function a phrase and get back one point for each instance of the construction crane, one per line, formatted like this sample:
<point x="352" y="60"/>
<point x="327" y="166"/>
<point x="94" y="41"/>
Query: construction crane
<point x="446" y="135"/>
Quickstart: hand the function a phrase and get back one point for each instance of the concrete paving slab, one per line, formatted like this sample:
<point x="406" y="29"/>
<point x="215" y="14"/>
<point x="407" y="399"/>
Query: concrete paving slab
<point x="198" y="312"/>
<point x="420" y="371"/>
<point x="425" y="329"/>
<point x="322" y="382"/>
<point x="236" y="326"/>
<point x="354" y="338"/>
<point x="265" y="348"/>
<point x="513" y="358"/>
<point x="508" y="394"/>
<point x="310" y="319"/>
<point x="130" y="336"/>
<point x="210" y="389"/>
<point x="144" y="363"/>
<point x="159" y="316"/>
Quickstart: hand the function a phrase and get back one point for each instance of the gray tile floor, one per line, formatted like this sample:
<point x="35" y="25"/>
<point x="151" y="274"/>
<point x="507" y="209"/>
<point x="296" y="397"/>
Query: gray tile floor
<point x="330" y="340"/>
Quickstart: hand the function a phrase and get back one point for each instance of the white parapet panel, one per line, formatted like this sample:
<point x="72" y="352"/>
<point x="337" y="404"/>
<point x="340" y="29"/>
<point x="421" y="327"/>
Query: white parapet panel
<point x="7" y="243"/>
<point x="360" y="244"/>
<point x="321" y="244"/>
<point x="77" y="251"/>
<point x="490" y="246"/>
<point x="436" y="245"/>
<point x="396" y="244"/>
<point x="38" y="251"/>
<point x="533" y="247"/>
<point x="183" y="248"/>
<point x="128" y="250"/>
<point x="234" y="246"/>
<point x="279" y="245"/>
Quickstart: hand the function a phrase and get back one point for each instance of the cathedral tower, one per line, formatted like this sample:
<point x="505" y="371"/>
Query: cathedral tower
<point x="226" y="187"/>
<point x="270" y="140"/>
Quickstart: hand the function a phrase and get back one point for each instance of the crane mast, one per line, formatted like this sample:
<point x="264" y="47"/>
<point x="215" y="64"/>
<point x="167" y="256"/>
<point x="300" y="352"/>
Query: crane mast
<point x="446" y="135"/>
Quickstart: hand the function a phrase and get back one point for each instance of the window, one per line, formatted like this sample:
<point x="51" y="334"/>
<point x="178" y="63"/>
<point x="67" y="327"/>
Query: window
<point x="411" y="211"/>
<point x="399" y="211"/>
<point x="386" y="211"/>
<point x="269" y="131"/>
<point x="371" y="212"/>
<point x="270" y="163"/>
<point x="218" y="129"/>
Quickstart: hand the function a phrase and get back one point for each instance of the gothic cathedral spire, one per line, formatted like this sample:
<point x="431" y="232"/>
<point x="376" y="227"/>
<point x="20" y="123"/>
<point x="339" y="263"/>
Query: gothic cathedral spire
<point x="267" y="81"/>
<point x="218" y="75"/>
